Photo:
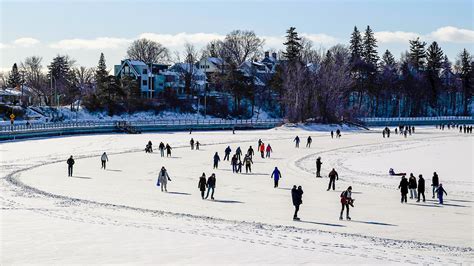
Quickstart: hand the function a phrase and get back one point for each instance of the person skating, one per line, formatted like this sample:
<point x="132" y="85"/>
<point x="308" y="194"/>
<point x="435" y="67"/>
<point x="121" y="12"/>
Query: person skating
<point x="248" y="164"/>
<point x="163" y="179"/>
<point x="227" y="152"/>
<point x="276" y="175"/>
<point x="234" y="162"/>
<point x="403" y="186"/>
<point x="333" y="176"/>
<point x="318" y="167"/>
<point x="421" y="188"/>
<point x="388" y="132"/>
<point x="297" y="142"/>
<point x="338" y="133"/>
<point x="211" y="184"/>
<point x="149" y="146"/>
<point x="192" y="143"/>
<point x="168" y="150"/>
<point x="238" y="152"/>
<point x="250" y="152"/>
<point x="332" y="134"/>
<point x="239" y="166"/>
<point x="262" y="150"/>
<point x="308" y="142"/>
<point x="217" y="159"/>
<point x="435" y="183"/>
<point x="412" y="186"/>
<point x="440" y="191"/>
<point x="202" y="184"/>
<point x="70" y="162"/>
<point x="383" y="133"/>
<point x="297" y="198"/>
<point x="269" y="150"/>
<point x="162" y="149"/>
<point x="104" y="158"/>
<point x="197" y="145"/>
<point x="346" y="201"/>
<point x="259" y="143"/>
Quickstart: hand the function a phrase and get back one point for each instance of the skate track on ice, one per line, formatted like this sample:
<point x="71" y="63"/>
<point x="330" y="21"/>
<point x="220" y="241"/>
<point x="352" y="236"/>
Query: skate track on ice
<point x="313" y="242"/>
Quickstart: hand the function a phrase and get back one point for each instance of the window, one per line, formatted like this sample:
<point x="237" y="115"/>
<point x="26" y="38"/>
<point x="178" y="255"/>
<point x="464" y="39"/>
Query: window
<point x="145" y="82"/>
<point x="145" y="71"/>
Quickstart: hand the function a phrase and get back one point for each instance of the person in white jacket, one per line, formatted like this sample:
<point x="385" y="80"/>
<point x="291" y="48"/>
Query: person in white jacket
<point x="163" y="178"/>
<point x="104" y="159"/>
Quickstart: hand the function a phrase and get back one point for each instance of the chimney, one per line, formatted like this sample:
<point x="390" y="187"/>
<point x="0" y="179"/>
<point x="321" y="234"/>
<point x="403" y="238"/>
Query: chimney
<point x="274" y="55"/>
<point x="267" y="54"/>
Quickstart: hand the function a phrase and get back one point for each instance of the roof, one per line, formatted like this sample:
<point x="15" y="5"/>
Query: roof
<point x="186" y="67"/>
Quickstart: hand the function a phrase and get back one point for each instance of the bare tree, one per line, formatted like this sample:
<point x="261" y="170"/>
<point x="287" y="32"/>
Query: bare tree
<point x="148" y="51"/>
<point x="84" y="79"/>
<point x="308" y="53"/>
<point x="240" y="46"/>
<point x="189" y="74"/>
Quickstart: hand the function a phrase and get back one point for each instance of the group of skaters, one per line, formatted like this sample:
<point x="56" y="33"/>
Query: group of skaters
<point x="210" y="184"/>
<point x="462" y="128"/>
<point x="417" y="187"/>
<point x="162" y="147"/>
<point x="194" y="144"/>
<point x="402" y="130"/>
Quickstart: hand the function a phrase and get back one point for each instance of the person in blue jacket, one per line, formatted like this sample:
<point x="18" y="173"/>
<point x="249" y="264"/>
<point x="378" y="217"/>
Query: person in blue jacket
<point x="276" y="175"/>
<point x="440" y="190"/>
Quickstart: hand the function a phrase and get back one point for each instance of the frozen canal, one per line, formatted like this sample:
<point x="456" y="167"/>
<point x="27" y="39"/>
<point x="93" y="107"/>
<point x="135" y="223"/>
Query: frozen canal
<point x="119" y="215"/>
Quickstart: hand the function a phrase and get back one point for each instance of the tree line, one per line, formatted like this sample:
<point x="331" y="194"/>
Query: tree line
<point x="344" y="81"/>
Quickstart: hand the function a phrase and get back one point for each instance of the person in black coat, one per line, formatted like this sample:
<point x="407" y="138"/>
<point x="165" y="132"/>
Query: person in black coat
<point x="412" y="186"/>
<point x="435" y="183"/>
<point x="70" y="162"/>
<point x="202" y="184"/>
<point x="162" y="149"/>
<point x="318" y="167"/>
<point x="216" y="160"/>
<point x="211" y="184"/>
<point x="227" y="152"/>
<point x="168" y="150"/>
<point x="333" y="175"/>
<point x="403" y="188"/>
<point x="421" y="188"/>
<point x="297" y="197"/>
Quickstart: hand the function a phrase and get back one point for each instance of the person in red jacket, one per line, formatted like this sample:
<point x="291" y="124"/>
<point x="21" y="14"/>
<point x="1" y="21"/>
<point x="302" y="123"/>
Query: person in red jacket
<point x="262" y="150"/>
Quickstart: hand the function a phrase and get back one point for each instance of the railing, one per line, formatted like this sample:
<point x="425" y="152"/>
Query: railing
<point x="435" y="118"/>
<point x="392" y="121"/>
<point x="39" y="127"/>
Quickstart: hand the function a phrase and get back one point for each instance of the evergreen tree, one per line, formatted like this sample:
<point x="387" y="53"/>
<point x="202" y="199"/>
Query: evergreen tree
<point x="434" y="58"/>
<point x="14" y="79"/>
<point x="62" y="80"/>
<point x="466" y="73"/>
<point x="417" y="54"/>
<point x="293" y="45"/>
<point x="369" y="50"/>
<point x="101" y="73"/>
<point x="388" y="60"/>
<point x="356" y="45"/>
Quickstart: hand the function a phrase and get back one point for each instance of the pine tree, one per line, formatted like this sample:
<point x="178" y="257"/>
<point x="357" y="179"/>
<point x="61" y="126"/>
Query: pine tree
<point x="417" y="54"/>
<point x="369" y="49"/>
<point x="101" y="73"/>
<point x="434" y="58"/>
<point x="293" y="45"/>
<point x="388" y="60"/>
<point x="466" y="72"/>
<point x="356" y="45"/>
<point x="14" y="79"/>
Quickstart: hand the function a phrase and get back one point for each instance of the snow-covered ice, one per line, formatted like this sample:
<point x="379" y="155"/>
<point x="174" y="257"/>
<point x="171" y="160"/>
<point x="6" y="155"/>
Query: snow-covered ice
<point x="120" y="216"/>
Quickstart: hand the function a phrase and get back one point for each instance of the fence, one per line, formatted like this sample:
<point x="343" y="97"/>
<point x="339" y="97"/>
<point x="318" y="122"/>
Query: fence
<point x="390" y="121"/>
<point x="88" y="127"/>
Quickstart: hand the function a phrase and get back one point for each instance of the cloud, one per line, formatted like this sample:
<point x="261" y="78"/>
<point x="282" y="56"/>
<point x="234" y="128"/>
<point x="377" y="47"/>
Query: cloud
<point x="91" y="44"/>
<point x="179" y="39"/>
<point x="320" y="38"/>
<point x="453" y="34"/>
<point x="395" y="36"/>
<point x="4" y="45"/>
<point x="26" y="42"/>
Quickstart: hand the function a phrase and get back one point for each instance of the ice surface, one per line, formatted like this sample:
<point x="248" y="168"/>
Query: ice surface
<point x="119" y="215"/>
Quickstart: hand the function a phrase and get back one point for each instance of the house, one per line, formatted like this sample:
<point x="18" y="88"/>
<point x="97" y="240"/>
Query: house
<point x="211" y="65"/>
<point x="198" y="78"/>
<point x="270" y="61"/>
<point x="149" y="76"/>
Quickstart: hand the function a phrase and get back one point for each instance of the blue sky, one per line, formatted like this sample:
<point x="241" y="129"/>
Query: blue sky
<point x="83" y="29"/>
